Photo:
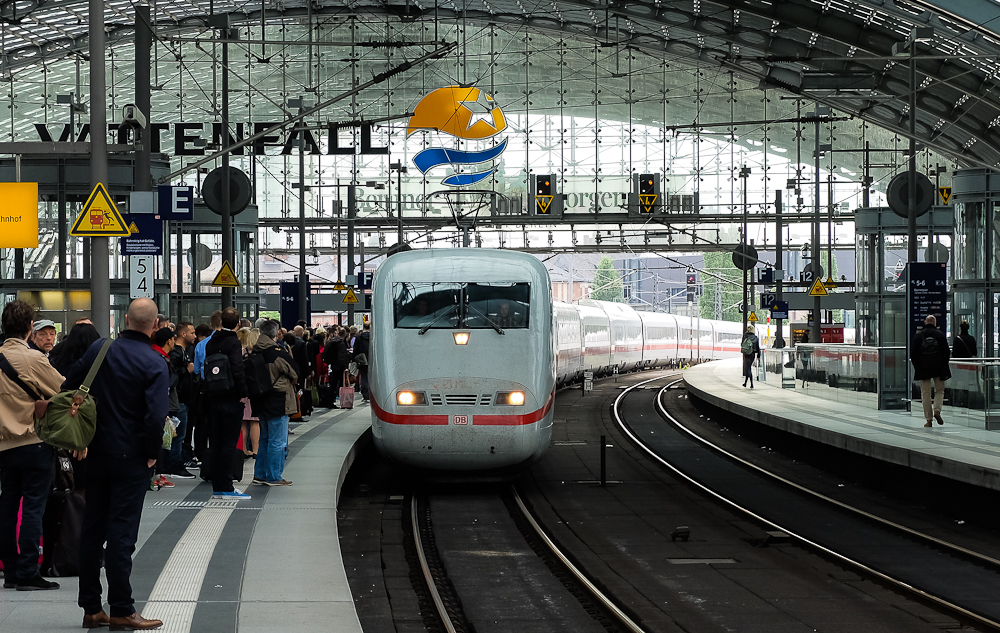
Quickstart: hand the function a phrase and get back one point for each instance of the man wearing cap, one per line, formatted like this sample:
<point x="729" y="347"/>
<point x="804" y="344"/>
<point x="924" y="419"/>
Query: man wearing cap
<point x="43" y="336"/>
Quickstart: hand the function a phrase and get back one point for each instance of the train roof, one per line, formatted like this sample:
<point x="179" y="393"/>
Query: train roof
<point x="462" y="265"/>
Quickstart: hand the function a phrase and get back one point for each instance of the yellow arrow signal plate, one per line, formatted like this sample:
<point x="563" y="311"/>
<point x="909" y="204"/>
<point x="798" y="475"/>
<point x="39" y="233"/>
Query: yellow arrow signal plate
<point x="350" y="297"/>
<point x="100" y="217"/>
<point x="647" y="200"/>
<point x="818" y="289"/>
<point x="543" y="203"/>
<point x="226" y="277"/>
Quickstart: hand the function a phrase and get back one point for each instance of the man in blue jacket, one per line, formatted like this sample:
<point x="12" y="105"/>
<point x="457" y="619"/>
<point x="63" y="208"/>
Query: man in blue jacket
<point x="131" y="391"/>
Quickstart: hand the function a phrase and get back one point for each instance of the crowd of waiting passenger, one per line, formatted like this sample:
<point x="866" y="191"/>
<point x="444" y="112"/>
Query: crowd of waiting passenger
<point x="170" y="398"/>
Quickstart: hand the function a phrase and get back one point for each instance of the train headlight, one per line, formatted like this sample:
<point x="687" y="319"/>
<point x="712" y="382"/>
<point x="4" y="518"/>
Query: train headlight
<point x="461" y="338"/>
<point x="407" y="398"/>
<point x="513" y="398"/>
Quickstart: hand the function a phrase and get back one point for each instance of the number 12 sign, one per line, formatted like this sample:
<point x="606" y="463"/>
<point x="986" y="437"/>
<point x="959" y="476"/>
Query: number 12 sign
<point x="140" y="276"/>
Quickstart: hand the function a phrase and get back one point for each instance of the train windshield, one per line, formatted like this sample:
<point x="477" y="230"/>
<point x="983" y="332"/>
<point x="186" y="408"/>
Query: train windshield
<point x="473" y="305"/>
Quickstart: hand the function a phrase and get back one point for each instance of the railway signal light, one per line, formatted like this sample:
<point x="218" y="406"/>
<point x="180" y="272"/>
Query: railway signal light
<point x="692" y="281"/>
<point x="546" y="200"/>
<point x="645" y="198"/>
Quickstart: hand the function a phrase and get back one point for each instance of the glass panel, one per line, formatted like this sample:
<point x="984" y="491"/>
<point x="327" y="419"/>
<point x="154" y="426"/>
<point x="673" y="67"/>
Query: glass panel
<point x="505" y="305"/>
<point x="418" y="305"/>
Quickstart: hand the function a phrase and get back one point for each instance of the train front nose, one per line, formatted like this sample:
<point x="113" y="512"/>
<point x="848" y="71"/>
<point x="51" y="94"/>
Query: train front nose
<point x="462" y="423"/>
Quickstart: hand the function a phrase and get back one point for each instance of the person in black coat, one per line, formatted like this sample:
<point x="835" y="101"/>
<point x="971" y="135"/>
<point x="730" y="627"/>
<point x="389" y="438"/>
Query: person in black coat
<point x="225" y="407"/>
<point x="929" y="354"/>
<point x="750" y="346"/>
<point x="963" y="347"/>
<point x="335" y="355"/>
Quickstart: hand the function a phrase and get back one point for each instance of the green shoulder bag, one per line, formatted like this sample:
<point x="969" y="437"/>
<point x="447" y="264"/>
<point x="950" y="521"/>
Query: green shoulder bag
<point x="69" y="419"/>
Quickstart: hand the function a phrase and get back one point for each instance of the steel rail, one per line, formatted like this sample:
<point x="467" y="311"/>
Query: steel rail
<point x="580" y="577"/>
<point x="799" y="537"/>
<point x="431" y="586"/>
<point x="978" y="556"/>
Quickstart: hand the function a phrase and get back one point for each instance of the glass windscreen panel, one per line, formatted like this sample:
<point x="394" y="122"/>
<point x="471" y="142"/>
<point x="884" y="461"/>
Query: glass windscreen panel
<point x="472" y="305"/>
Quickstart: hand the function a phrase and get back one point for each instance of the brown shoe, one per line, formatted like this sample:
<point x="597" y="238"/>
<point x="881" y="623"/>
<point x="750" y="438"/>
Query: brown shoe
<point x="283" y="482"/>
<point x="937" y="416"/>
<point x="97" y="620"/>
<point x="134" y="622"/>
<point x="929" y="424"/>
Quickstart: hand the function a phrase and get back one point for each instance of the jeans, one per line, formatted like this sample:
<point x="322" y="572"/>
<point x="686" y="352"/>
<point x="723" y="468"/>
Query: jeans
<point x="925" y="397"/>
<point x="115" y="492"/>
<point x="25" y="480"/>
<point x="225" y="424"/>
<point x="176" y="447"/>
<point x="270" y="464"/>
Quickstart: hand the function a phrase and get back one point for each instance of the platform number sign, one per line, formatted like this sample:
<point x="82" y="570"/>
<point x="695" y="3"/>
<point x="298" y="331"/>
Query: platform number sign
<point x="767" y="299"/>
<point x="806" y="276"/>
<point x="462" y="420"/>
<point x="140" y="276"/>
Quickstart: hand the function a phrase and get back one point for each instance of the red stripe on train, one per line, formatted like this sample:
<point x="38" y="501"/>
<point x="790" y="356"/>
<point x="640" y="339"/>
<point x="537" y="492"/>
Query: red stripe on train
<point x="395" y="418"/>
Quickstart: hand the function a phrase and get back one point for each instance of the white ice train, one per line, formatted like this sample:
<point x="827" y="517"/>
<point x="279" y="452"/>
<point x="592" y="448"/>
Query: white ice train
<point x="468" y="348"/>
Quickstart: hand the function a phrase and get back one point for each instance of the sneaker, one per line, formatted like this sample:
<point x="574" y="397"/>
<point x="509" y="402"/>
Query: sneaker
<point x="36" y="584"/>
<point x="231" y="494"/>
<point x="283" y="482"/>
<point x="180" y="473"/>
<point x="257" y="481"/>
<point x="163" y="482"/>
<point x="194" y="463"/>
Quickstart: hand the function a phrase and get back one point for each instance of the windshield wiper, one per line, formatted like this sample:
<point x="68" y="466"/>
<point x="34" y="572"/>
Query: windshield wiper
<point x="485" y="318"/>
<point x="424" y="329"/>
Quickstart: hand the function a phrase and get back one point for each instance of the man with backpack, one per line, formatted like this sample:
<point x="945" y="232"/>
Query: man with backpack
<point x="929" y="354"/>
<point x="271" y="379"/>
<point x="750" y="347"/>
<point x="224" y="385"/>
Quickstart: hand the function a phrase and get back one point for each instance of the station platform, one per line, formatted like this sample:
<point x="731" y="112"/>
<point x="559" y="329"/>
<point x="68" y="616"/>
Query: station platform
<point x="271" y="563"/>
<point x="953" y="451"/>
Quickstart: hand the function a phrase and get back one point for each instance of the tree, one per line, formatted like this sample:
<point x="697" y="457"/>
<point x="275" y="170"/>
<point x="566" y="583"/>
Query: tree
<point x="607" y="283"/>
<point x="721" y="264"/>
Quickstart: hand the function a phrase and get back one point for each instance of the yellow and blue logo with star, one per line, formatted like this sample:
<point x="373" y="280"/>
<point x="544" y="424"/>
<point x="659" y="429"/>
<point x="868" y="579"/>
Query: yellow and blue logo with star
<point x="465" y="113"/>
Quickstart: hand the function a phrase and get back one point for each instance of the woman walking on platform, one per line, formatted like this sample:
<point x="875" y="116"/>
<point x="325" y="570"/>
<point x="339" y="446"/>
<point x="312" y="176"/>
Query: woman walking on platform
<point x="751" y="350"/>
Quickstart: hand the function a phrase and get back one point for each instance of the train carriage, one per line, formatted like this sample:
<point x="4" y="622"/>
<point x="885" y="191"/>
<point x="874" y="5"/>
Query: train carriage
<point x="462" y="362"/>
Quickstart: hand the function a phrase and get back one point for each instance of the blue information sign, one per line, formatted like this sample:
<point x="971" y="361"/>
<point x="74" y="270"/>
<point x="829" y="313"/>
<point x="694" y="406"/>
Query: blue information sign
<point x="779" y="310"/>
<point x="926" y="295"/>
<point x="175" y="203"/>
<point x="146" y="237"/>
<point x="289" y="308"/>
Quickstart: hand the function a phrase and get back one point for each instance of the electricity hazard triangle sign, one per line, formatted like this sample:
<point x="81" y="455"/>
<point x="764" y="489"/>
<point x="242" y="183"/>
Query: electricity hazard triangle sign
<point x="818" y="289"/>
<point x="753" y="317"/>
<point x="100" y="217"/>
<point x="339" y="285"/>
<point x="543" y="202"/>
<point x="350" y="297"/>
<point x="945" y="193"/>
<point x="226" y="277"/>
<point x="647" y="200"/>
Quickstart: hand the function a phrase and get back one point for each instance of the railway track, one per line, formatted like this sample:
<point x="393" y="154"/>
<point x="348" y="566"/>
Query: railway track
<point x="956" y="579"/>
<point x="458" y="612"/>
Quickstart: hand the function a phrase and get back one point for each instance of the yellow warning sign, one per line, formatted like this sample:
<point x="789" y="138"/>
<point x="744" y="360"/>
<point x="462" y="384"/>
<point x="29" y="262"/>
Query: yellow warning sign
<point x="132" y="228"/>
<point x="543" y="203"/>
<point x="226" y="277"/>
<point x="350" y="297"/>
<point x="752" y="318"/>
<point x="830" y="284"/>
<point x="339" y="285"/>
<point x="818" y="289"/>
<point x="945" y="193"/>
<point x="100" y="217"/>
<point x="647" y="200"/>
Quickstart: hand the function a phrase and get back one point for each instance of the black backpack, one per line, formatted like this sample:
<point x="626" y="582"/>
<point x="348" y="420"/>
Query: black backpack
<point x="218" y="373"/>
<point x="258" y="375"/>
<point x="930" y="350"/>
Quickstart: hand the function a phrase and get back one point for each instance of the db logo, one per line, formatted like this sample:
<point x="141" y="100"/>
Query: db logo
<point x="215" y="371"/>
